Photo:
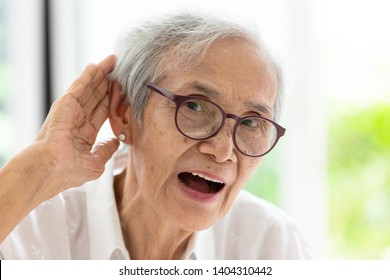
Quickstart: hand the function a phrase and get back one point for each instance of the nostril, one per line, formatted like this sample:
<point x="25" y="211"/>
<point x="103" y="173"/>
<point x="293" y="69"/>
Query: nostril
<point x="220" y="148"/>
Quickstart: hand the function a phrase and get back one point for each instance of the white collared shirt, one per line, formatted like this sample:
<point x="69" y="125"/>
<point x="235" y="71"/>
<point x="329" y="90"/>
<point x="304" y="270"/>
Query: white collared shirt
<point x="83" y="223"/>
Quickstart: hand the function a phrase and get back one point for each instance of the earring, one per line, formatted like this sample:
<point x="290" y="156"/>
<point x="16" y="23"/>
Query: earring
<point x="122" y="137"/>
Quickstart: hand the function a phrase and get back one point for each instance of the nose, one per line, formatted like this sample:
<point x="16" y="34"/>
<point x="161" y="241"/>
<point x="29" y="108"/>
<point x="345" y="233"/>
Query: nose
<point x="220" y="146"/>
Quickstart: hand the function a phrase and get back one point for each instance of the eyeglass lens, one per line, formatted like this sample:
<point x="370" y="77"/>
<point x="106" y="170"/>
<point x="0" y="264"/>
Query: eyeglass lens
<point x="199" y="119"/>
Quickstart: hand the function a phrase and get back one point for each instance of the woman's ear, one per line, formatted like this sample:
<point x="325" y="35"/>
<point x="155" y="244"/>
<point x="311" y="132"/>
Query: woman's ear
<point x="120" y="113"/>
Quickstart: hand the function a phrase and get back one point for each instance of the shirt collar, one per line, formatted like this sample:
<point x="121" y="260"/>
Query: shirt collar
<point x="201" y="246"/>
<point x="105" y="233"/>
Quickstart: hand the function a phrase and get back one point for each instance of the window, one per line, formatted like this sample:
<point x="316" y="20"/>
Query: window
<point x="5" y="120"/>
<point x="354" y="60"/>
<point x="21" y="79"/>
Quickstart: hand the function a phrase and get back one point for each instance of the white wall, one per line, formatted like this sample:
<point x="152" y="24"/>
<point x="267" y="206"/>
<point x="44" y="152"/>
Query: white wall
<point x="24" y="58"/>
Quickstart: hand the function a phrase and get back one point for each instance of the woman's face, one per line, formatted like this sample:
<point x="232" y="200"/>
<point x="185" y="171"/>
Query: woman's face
<point x="174" y="174"/>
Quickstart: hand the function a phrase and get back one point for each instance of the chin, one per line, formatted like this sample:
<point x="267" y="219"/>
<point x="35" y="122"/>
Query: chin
<point x="195" y="228"/>
<point x="196" y="222"/>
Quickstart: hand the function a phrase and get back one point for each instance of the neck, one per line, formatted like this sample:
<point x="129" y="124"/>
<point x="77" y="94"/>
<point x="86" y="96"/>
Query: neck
<point x="146" y="233"/>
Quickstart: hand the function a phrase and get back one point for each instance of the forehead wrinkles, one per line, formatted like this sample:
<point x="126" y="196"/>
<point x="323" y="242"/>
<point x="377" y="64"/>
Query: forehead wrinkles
<point x="239" y="61"/>
<point x="179" y="58"/>
<point x="225" y="66"/>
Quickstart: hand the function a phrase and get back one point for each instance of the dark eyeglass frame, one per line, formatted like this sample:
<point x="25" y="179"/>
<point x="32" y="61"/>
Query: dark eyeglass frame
<point x="180" y="99"/>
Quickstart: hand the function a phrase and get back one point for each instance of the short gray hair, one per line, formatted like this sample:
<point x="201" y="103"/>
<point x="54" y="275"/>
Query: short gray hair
<point x="186" y="36"/>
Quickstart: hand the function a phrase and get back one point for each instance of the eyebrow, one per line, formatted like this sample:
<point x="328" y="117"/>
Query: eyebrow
<point x="204" y="89"/>
<point x="215" y="94"/>
<point x="260" y="108"/>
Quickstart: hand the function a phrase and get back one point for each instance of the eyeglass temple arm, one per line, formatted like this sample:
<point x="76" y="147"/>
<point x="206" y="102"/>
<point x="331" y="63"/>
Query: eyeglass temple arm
<point x="161" y="91"/>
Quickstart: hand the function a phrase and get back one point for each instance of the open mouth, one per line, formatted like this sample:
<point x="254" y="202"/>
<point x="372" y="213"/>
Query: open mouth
<point x="200" y="183"/>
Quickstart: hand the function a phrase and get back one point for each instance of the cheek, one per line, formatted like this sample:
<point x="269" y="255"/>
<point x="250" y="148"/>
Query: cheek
<point x="245" y="171"/>
<point x="157" y="150"/>
<point x="249" y="167"/>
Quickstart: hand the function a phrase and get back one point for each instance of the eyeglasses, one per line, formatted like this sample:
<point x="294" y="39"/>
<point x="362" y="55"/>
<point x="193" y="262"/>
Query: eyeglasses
<point x="199" y="119"/>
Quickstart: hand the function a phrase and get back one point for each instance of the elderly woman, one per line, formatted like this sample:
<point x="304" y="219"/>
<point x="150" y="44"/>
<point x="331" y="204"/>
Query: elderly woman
<point x="194" y="99"/>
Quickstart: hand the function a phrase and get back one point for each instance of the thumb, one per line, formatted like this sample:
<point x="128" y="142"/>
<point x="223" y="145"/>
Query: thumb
<point x="105" y="149"/>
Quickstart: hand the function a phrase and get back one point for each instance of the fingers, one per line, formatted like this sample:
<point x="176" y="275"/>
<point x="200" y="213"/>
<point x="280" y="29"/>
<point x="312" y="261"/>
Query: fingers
<point x="106" y="66"/>
<point x="94" y="74"/>
<point x="98" y="77"/>
<point x="92" y="85"/>
<point x="90" y="165"/>
<point x="103" y="151"/>
<point x="98" y="94"/>
<point x="100" y="114"/>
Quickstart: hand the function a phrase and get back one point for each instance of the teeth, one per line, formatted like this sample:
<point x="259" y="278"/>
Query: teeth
<point x="206" y="178"/>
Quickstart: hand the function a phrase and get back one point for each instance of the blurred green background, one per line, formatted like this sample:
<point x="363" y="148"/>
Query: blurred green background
<point x="265" y="182"/>
<point x="358" y="177"/>
<point x="359" y="181"/>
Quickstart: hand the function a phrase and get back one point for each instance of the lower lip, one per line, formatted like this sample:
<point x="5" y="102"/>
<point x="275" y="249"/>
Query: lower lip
<point x="199" y="196"/>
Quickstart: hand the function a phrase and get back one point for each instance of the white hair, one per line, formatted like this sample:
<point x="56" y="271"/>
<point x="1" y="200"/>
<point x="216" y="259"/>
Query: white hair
<point x="186" y="37"/>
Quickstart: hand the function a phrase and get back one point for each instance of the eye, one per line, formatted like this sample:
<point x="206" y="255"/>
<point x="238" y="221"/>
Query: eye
<point x="251" y="123"/>
<point x="194" y="106"/>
